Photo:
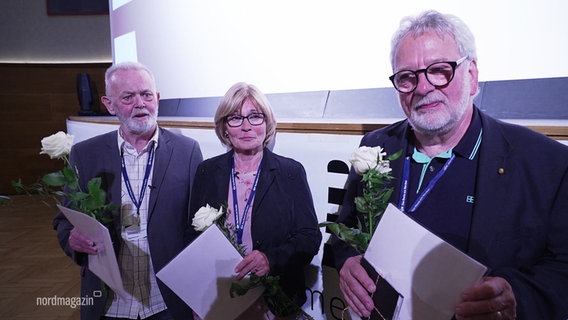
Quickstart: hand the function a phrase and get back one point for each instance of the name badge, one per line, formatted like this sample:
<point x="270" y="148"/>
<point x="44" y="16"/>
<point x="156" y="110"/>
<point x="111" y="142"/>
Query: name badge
<point x="132" y="229"/>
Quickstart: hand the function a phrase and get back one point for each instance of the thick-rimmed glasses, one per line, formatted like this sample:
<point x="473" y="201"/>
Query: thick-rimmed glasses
<point x="255" y="119"/>
<point x="438" y="74"/>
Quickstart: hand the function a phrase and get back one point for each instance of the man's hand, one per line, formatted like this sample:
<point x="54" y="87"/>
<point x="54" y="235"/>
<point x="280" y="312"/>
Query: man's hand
<point x="356" y="286"/>
<point x="492" y="298"/>
<point x="80" y="243"/>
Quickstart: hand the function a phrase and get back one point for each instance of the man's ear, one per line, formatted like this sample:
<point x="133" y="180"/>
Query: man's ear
<point x="474" y="77"/>
<point x="108" y="104"/>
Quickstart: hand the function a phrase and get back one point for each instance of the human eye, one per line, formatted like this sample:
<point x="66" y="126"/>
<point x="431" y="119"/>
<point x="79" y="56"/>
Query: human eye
<point x="126" y="98"/>
<point x="405" y="77"/>
<point x="441" y="68"/>
<point x="235" y="118"/>
<point x="147" y="95"/>
<point x="256" y="116"/>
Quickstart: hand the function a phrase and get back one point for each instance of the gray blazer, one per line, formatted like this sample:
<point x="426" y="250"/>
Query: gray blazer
<point x="176" y="161"/>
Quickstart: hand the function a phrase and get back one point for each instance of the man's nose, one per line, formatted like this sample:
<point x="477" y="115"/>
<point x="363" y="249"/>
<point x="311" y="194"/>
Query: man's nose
<point x="422" y="84"/>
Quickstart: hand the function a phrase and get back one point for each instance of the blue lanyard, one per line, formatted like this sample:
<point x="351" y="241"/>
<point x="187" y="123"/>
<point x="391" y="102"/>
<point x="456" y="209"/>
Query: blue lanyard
<point x="240" y="223"/>
<point x="138" y="203"/>
<point x="424" y="193"/>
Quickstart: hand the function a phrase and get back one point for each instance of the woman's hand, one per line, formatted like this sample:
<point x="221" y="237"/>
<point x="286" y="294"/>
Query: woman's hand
<point x="255" y="262"/>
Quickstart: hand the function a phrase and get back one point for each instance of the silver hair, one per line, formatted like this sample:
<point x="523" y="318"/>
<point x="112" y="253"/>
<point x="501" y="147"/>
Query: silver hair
<point x="128" y="65"/>
<point x="442" y="24"/>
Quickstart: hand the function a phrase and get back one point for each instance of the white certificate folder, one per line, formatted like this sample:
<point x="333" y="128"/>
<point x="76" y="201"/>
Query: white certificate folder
<point x="104" y="264"/>
<point x="426" y="271"/>
<point x="201" y="275"/>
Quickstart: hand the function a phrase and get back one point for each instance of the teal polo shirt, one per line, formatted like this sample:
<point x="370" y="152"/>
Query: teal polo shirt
<point x="442" y="189"/>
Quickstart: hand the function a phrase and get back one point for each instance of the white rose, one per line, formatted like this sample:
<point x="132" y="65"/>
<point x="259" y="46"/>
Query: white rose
<point x="57" y="145"/>
<point x="383" y="166"/>
<point x="204" y="217"/>
<point x="366" y="158"/>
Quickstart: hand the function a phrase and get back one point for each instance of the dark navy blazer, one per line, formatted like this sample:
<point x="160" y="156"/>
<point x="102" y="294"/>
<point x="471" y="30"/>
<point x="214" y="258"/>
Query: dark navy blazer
<point x="520" y="217"/>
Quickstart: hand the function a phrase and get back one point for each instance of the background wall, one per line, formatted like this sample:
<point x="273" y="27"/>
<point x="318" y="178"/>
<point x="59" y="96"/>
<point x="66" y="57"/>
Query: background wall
<point x="200" y="48"/>
<point x="35" y="101"/>
<point x="330" y="59"/>
<point x="40" y="57"/>
<point x="29" y="35"/>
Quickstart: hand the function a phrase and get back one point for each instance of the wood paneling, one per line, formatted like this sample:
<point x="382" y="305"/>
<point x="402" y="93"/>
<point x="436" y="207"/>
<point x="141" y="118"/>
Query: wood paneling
<point x="33" y="265"/>
<point x="35" y="101"/>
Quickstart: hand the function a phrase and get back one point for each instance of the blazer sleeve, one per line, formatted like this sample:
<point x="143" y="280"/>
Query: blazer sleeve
<point x="303" y="237"/>
<point x="64" y="227"/>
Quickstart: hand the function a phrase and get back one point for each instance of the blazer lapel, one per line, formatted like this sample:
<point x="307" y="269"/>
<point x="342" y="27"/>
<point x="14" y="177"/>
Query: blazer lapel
<point x="161" y="162"/>
<point x="396" y="142"/>
<point x="267" y="176"/>
<point x="113" y="177"/>
<point x="491" y="193"/>
<point x="221" y="177"/>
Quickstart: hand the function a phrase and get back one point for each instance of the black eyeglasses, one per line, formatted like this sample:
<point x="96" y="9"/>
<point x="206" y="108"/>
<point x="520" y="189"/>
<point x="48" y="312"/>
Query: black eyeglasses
<point x="438" y="74"/>
<point x="255" y="119"/>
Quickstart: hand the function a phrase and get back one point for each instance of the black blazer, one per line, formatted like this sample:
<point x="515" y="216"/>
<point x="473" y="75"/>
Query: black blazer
<point x="520" y="220"/>
<point x="284" y="223"/>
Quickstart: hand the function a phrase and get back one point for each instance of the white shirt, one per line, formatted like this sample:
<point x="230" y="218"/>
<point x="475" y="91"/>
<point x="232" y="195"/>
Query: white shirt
<point x="138" y="276"/>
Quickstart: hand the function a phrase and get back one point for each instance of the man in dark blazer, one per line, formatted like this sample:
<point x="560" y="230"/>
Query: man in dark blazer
<point x="501" y="194"/>
<point x="132" y="97"/>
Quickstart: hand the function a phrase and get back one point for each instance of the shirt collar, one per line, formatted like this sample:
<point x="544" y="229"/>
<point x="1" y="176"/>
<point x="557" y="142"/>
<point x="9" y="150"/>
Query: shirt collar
<point x="468" y="145"/>
<point x="125" y="145"/>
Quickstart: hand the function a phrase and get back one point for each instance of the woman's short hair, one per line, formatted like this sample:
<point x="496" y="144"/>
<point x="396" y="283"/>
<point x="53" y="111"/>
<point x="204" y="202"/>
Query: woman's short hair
<point x="233" y="101"/>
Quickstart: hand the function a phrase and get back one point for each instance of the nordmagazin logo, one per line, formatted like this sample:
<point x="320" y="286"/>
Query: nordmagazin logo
<point x="71" y="302"/>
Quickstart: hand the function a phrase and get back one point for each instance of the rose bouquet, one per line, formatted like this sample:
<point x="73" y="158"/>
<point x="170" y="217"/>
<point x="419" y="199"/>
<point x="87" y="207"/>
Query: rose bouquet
<point x="276" y="300"/>
<point x="65" y="182"/>
<point x="373" y="165"/>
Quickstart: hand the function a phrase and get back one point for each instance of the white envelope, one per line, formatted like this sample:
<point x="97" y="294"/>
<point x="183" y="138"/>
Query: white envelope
<point x="427" y="271"/>
<point x="201" y="276"/>
<point x="104" y="263"/>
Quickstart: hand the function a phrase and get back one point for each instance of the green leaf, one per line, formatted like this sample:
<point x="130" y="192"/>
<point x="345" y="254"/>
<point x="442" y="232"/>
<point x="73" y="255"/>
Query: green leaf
<point x="238" y="289"/>
<point x="352" y="236"/>
<point x="94" y="184"/>
<point x="54" y="179"/>
<point x="395" y="155"/>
